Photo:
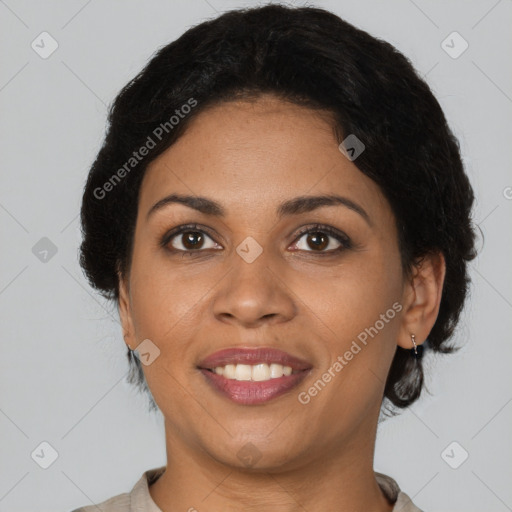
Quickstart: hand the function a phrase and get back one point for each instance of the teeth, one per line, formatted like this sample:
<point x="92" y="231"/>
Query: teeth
<point x="276" y="370"/>
<point x="258" y="372"/>
<point x="229" y="371"/>
<point x="243" y="372"/>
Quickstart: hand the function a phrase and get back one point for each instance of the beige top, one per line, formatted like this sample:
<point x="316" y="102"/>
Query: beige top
<point x="139" y="499"/>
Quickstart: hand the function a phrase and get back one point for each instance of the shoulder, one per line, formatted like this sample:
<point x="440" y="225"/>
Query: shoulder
<point x="392" y="491"/>
<point x="119" y="503"/>
<point x="137" y="499"/>
<point x="405" y="504"/>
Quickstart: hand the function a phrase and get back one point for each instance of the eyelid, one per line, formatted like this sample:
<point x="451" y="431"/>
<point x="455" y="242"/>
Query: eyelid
<point x="324" y="228"/>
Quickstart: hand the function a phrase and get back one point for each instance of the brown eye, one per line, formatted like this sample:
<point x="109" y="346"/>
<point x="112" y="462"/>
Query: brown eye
<point x="317" y="240"/>
<point x="192" y="239"/>
<point x="189" y="240"/>
<point x="322" y="239"/>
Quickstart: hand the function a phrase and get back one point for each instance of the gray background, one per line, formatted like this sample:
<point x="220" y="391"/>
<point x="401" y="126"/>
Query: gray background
<point x="63" y="366"/>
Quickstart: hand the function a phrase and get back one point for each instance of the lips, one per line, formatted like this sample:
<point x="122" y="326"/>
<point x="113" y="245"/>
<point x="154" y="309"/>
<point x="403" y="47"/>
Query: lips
<point x="250" y="392"/>
<point x="253" y="356"/>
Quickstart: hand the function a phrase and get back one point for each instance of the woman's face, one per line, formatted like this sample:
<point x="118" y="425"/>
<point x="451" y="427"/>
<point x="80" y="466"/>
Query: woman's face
<point x="249" y="279"/>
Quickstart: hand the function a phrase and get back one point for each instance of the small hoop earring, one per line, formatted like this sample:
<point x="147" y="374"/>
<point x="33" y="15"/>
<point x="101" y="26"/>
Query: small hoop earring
<point x="417" y="352"/>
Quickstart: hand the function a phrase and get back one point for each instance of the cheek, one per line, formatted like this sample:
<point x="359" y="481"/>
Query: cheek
<point x="350" y="297"/>
<point x="162" y="299"/>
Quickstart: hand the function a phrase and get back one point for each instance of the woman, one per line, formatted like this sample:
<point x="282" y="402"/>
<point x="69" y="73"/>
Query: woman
<point x="281" y="213"/>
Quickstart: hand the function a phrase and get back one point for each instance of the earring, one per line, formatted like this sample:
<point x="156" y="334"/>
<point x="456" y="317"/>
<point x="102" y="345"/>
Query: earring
<point x="417" y="351"/>
<point x="124" y="336"/>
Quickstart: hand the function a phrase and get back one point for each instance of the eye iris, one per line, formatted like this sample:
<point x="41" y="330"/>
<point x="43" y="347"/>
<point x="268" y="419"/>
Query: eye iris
<point x="192" y="239"/>
<point x="320" y="241"/>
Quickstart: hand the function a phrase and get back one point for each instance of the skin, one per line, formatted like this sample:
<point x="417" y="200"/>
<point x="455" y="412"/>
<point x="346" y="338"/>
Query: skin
<point x="250" y="156"/>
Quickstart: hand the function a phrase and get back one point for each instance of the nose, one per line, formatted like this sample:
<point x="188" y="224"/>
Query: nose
<point x="254" y="293"/>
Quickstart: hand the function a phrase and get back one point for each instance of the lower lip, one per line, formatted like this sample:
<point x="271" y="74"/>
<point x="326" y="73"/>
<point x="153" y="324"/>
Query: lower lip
<point x="248" y="392"/>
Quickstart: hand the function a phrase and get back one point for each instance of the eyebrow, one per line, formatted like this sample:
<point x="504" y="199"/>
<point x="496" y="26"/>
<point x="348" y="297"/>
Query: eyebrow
<point x="295" y="206"/>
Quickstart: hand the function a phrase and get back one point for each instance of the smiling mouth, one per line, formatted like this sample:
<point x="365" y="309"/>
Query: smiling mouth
<point x="250" y="376"/>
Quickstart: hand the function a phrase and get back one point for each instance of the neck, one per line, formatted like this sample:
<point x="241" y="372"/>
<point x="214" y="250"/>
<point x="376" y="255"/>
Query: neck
<point x="339" y="479"/>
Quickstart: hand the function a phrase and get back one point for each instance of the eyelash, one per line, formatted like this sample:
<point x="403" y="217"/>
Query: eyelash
<point x="343" y="239"/>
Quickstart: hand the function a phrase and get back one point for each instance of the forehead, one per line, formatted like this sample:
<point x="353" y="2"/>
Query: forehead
<point x="253" y="153"/>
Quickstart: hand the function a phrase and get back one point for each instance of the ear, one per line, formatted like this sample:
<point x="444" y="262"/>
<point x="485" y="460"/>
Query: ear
<point x="422" y="298"/>
<point x="125" y="313"/>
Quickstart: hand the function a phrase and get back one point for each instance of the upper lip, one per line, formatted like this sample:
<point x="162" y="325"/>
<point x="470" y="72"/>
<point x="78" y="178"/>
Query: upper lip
<point x="241" y="355"/>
